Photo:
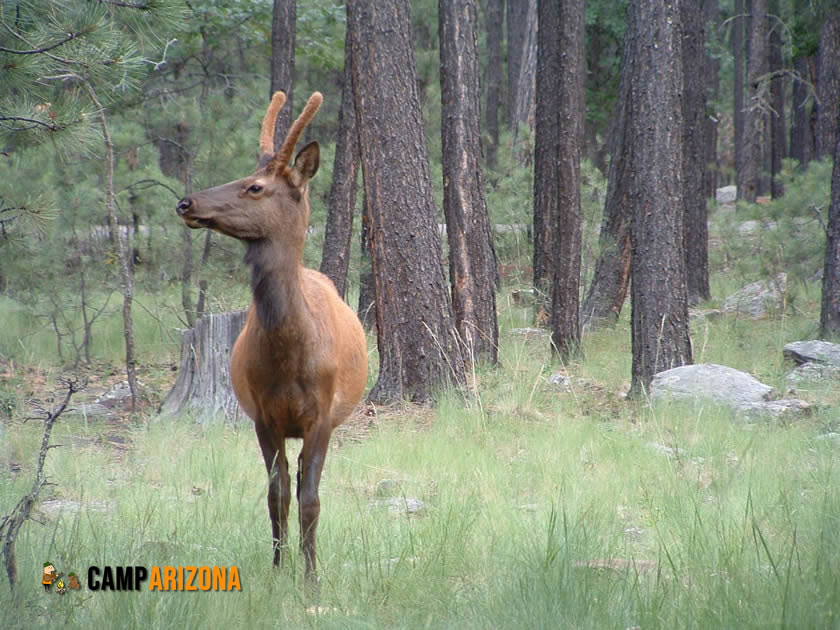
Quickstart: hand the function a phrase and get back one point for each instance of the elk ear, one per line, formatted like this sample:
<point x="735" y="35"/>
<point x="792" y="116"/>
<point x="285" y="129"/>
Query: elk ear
<point x="307" y="161"/>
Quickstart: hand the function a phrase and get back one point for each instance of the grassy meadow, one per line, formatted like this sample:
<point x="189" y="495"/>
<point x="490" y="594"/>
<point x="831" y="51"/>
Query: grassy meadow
<point x="541" y="508"/>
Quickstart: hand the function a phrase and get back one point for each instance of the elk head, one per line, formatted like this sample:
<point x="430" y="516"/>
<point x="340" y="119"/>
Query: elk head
<point x="274" y="201"/>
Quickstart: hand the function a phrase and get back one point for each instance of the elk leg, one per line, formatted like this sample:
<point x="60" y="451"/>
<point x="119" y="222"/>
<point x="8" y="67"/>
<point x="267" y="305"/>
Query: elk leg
<point x="279" y="488"/>
<point x="313" y="454"/>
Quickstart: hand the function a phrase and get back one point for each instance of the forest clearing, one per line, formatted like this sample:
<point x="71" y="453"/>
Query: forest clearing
<point x="594" y="253"/>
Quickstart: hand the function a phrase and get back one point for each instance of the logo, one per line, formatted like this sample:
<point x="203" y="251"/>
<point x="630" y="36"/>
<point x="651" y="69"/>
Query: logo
<point x="134" y="578"/>
<point x="51" y="576"/>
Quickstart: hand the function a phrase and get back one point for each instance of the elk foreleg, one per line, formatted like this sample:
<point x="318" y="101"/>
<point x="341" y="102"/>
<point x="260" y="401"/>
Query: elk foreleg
<point x="279" y="488"/>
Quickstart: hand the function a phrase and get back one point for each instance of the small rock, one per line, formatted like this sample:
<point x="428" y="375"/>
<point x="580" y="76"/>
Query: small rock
<point x="783" y="409"/>
<point x="561" y="380"/>
<point x="815" y="351"/>
<point x="727" y="194"/>
<point x="114" y="396"/>
<point x="388" y="488"/>
<point x="753" y="227"/>
<point x="665" y="450"/>
<point x="401" y="505"/>
<point x="811" y="373"/>
<point x="536" y="332"/>
<point x="90" y="410"/>
<point x="756" y="300"/>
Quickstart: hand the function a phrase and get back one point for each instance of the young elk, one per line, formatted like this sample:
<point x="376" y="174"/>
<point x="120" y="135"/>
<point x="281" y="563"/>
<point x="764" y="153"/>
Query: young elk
<point x="299" y="367"/>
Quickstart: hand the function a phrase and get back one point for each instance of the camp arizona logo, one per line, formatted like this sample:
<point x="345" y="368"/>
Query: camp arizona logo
<point x="166" y="578"/>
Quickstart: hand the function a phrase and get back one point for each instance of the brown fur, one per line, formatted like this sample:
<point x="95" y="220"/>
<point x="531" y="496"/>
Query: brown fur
<point x="299" y="367"/>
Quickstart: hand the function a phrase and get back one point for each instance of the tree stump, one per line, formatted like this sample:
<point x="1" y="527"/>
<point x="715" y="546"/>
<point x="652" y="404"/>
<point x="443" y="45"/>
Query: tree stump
<point x="203" y="389"/>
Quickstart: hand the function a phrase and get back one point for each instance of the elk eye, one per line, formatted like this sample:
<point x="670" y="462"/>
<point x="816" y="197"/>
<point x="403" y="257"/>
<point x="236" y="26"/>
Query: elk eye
<point x="255" y="189"/>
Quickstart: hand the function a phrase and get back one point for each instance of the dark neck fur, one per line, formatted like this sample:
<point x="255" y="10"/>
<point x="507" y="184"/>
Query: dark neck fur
<point x="275" y="282"/>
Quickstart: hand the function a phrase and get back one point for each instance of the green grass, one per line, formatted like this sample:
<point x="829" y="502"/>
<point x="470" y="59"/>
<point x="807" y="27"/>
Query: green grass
<point x="543" y="509"/>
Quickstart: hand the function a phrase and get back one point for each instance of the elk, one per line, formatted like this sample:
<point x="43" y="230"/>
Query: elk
<point x="299" y="366"/>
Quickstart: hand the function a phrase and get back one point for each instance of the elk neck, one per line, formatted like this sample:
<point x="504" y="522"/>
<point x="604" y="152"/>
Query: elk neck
<point x="276" y="270"/>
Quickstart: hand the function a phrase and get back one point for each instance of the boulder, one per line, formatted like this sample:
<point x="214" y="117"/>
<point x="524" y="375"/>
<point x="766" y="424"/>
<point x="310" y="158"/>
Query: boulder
<point x="719" y="383"/>
<point x="814" y="351"/>
<point x="758" y="299"/>
<point x="727" y="194"/>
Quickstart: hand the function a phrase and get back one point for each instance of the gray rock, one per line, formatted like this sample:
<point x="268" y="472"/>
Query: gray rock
<point x="783" y="409"/>
<point x="753" y="227"/>
<point x="90" y="410"/>
<point x="747" y="396"/>
<point x="815" y="351"/>
<point x="401" y="505"/>
<point x="528" y="332"/>
<point x="388" y="488"/>
<point x="812" y="373"/>
<point x="706" y="380"/>
<point x="759" y="298"/>
<point x="665" y="450"/>
<point x="560" y="380"/>
<point x="114" y="396"/>
<point x="727" y="194"/>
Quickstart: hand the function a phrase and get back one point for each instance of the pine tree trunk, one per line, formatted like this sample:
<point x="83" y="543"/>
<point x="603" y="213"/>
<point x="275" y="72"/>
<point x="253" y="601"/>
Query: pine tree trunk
<point x="203" y="387"/>
<point x="472" y="259"/>
<point x="283" y="29"/>
<point x="830" y="308"/>
<point x="525" y="101"/>
<point x="711" y="12"/>
<point x="495" y="34"/>
<point x="517" y="24"/>
<point x="778" y="140"/>
<point x="801" y="138"/>
<point x="611" y="280"/>
<point x="754" y="119"/>
<point x="696" y="240"/>
<point x="828" y="85"/>
<point x="342" y="201"/>
<point x="565" y="51"/>
<point x="418" y="349"/>
<point x="659" y="296"/>
<point x="738" y="24"/>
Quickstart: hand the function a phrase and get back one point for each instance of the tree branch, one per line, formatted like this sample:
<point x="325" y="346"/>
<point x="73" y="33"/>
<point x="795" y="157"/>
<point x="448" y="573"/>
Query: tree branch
<point x="37" y="51"/>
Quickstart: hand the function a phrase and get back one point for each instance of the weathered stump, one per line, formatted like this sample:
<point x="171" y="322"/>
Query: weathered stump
<point x="203" y="388"/>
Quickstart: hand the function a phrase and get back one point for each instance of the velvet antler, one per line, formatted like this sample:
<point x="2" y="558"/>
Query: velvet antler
<point x="312" y="106"/>
<point x="269" y="122"/>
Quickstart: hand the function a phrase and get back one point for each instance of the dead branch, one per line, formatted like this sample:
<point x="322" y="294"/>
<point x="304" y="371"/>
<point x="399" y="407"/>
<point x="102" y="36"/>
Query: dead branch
<point x="11" y="523"/>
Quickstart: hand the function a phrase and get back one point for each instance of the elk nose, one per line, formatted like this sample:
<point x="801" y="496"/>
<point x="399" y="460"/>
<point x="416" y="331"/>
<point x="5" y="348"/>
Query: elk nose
<point x="183" y="205"/>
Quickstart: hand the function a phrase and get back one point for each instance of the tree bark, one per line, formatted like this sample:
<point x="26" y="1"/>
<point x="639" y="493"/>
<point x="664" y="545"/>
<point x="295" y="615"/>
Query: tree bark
<point x="367" y="287"/>
<point x="830" y="307"/>
<point x="737" y="36"/>
<point x="283" y="28"/>
<point x="778" y="141"/>
<point x="659" y="298"/>
<point x="472" y="259"/>
<point x="342" y="201"/>
<point x="828" y="85"/>
<point x="203" y="387"/>
<point x="418" y="348"/>
<point x="517" y="24"/>
<point x="711" y="12"/>
<point x="696" y="231"/>
<point x="801" y="138"/>
<point x="611" y="280"/>
<point x="525" y="101"/>
<point x="754" y="119"/>
<point x="495" y="34"/>
<point x="563" y="48"/>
